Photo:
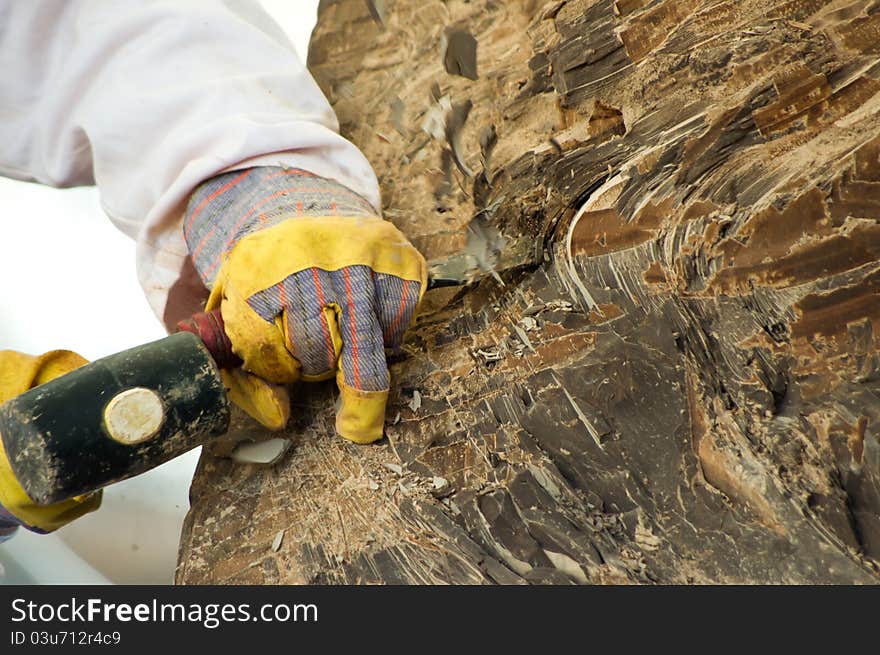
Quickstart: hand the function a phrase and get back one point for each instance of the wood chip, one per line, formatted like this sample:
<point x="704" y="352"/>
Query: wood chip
<point x="416" y="401"/>
<point x="394" y="468"/>
<point x="434" y="122"/>
<point x="488" y="141"/>
<point x="276" y="542"/>
<point x="398" y="108"/>
<point x="460" y="53"/>
<point x="454" y="128"/>
<point x="492" y="355"/>
<point x="523" y="337"/>
<point x="445" y="185"/>
<point x="377" y="10"/>
<point x="441" y="488"/>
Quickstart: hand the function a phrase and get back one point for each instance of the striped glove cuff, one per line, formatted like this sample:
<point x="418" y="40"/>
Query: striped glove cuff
<point x="228" y="207"/>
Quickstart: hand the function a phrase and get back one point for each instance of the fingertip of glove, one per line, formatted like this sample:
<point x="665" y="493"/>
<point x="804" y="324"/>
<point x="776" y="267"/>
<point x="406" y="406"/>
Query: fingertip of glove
<point x="268" y="404"/>
<point x="275" y="421"/>
<point x="360" y="416"/>
<point x="359" y="438"/>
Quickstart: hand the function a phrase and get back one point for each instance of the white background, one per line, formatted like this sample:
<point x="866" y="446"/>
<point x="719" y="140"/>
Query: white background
<point x="58" y="292"/>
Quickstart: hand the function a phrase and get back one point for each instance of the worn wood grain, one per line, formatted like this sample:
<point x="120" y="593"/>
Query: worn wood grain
<point x="678" y="380"/>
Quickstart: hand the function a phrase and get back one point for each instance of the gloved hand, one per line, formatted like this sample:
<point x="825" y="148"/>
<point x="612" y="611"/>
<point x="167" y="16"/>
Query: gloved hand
<point x="18" y="373"/>
<point x="311" y="283"/>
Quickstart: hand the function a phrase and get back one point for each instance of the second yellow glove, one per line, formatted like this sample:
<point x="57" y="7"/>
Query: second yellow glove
<point x="18" y="373"/>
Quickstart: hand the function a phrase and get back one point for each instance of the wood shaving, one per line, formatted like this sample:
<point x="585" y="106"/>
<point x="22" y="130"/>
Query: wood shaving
<point x="460" y="53"/>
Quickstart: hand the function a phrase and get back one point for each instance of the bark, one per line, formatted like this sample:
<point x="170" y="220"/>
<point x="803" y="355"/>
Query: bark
<point x="674" y="375"/>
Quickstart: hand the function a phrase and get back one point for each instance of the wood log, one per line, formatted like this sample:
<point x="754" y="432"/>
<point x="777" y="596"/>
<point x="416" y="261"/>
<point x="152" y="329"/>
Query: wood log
<point x="672" y="374"/>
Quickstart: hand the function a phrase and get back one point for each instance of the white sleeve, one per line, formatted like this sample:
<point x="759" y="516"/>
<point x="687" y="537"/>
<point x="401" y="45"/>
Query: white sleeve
<point x="148" y="98"/>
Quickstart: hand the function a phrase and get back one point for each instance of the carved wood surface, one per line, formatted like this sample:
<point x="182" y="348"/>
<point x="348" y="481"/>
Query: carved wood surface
<point x="677" y="380"/>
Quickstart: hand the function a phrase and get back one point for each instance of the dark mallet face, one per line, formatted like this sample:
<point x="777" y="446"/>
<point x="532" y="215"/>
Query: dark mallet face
<point x="114" y="418"/>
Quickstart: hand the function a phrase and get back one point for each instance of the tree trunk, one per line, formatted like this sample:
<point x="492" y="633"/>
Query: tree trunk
<point x="673" y="375"/>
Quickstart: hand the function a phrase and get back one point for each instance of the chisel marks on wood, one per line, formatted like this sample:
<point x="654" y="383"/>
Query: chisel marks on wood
<point x="650" y="29"/>
<point x="678" y="380"/>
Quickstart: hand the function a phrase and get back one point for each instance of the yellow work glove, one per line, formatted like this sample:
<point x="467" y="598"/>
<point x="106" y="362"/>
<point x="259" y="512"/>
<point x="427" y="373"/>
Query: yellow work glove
<point x="18" y="373"/>
<point x="311" y="283"/>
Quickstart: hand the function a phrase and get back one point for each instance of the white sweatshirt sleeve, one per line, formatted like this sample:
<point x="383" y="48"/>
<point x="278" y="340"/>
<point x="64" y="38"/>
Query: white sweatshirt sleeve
<point x="148" y="98"/>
